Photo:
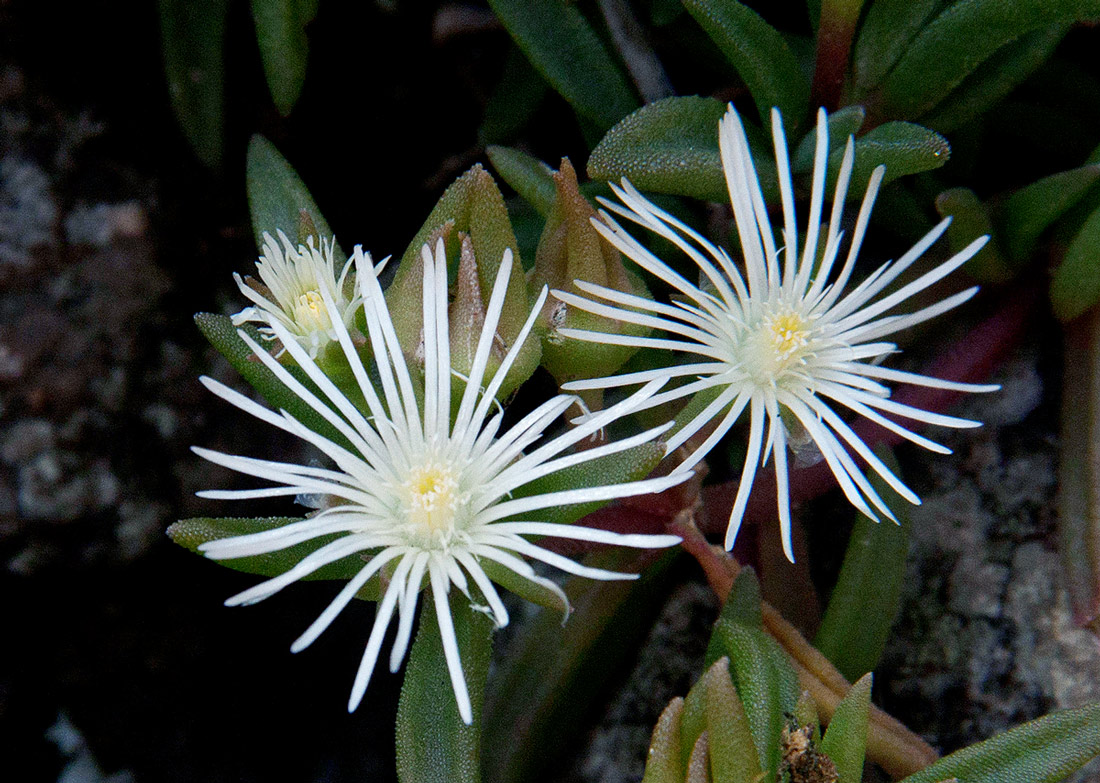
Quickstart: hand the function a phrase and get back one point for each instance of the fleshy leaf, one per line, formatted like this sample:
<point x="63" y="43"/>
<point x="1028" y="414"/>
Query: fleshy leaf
<point x="845" y="740"/>
<point x="1076" y="284"/>
<point x="1042" y="751"/>
<point x="743" y="602"/>
<point x="277" y="197"/>
<point x="528" y="176"/>
<point x="562" y="46"/>
<point x="995" y="78"/>
<point x="960" y="39"/>
<point x="524" y="588"/>
<point x="532" y="719"/>
<point x="663" y="762"/>
<point x="887" y="30"/>
<point x="192" y="533"/>
<point x="669" y="146"/>
<point x="629" y="465"/>
<point x="805" y="714"/>
<point x="733" y="756"/>
<point x="1028" y="212"/>
<point x="903" y="147"/>
<point x="842" y="124"/>
<point x="761" y="55"/>
<point x="693" y="719"/>
<point x="222" y="334"/>
<point x="763" y="676"/>
<point x="514" y="100"/>
<point x="433" y="744"/>
<point x="971" y="219"/>
<point x="698" y="770"/>
<point x="192" y="40"/>
<point x="867" y="594"/>
<point x="284" y="46"/>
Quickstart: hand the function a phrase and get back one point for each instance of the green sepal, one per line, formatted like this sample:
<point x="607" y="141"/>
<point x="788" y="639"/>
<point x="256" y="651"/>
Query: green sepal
<point x="845" y="740"/>
<point x="192" y="40"/>
<point x="565" y="50"/>
<point x="222" y="334"/>
<point x="733" y="757"/>
<point x="886" y="32"/>
<point x="1042" y="751"/>
<point x="277" y="197"/>
<point x="528" y="176"/>
<point x="284" y="46"/>
<point x="903" y="147"/>
<point x="762" y="674"/>
<point x="433" y="744"/>
<point x="841" y="123"/>
<point x="624" y="466"/>
<point x="759" y="53"/>
<point x="663" y="761"/>
<point x="971" y="219"/>
<point x="960" y="39"/>
<point x="192" y="533"/>
<point x="1076" y="284"/>
<point x="867" y="594"/>
<point x="474" y="206"/>
<point x="571" y="249"/>
<point x="1028" y="212"/>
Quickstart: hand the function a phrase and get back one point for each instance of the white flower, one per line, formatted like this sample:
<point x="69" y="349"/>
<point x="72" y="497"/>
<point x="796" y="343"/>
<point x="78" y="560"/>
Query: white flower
<point x="786" y="339"/>
<point x="293" y="278"/>
<point x="415" y="491"/>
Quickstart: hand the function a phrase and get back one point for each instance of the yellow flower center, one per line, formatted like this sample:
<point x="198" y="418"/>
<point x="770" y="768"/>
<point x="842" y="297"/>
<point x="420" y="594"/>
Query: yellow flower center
<point x="432" y="498"/>
<point x="310" y="313"/>
<point x="779" y="342"/>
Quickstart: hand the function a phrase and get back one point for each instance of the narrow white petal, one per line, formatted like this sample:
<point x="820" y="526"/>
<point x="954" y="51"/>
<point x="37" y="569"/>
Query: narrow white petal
<point x="450" y="645"/>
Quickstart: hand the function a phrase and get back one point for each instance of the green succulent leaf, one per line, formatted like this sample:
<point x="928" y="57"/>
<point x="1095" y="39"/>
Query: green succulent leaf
<point x="845" y="740"/>
<point x="1028" y="212"/>
<point x="760" y="54"/>
<point x="663" y="762"/>
<point x="995" y="78"/>
<point x="1076" y="284"/>
<point x="277" y="197"/>
<point x="762" y="674"/>
<point x="903" y="147"/>
<point x="733" y="756"/>
<point x="629" y="465"/>
<point x="562" y="46"/>
<point x="192" y="40"/>
<point x="526" y="589"/>
<point x="284" y="46"/>
<point x="575" y="661"/>
<point x="970" y="220"/>
<point x="867" y="594"/>
<point x="669" y="146"/>
<point x="842" y="124"/>
<point x="960" y="39"/>
<point x="433" y="744"/>
<point x="222" y="334"/>
<point x="514" y="100"/>
<point x="805" y="714"/>
<point x="1042" y="751"/>
<point x="887" y="30"/>
<point x="192" y="533"/>
<point x="693" y="719"/>
<point x="527" y="175"/>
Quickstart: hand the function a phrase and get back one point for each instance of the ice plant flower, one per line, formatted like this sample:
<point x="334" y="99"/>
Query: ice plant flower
<point x="787" y="341"/>
<point x="290" y="293"/>
<point x="415" y="491"/>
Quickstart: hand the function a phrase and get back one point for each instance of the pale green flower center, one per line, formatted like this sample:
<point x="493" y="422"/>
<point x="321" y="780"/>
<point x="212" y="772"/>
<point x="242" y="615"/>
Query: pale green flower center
<point x="780" y="342"/>
<point x="310" y="313"/>
<point x="433" y="500"/>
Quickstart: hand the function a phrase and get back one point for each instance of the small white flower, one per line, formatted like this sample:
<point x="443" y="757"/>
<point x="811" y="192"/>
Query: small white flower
<point x="414" y="490"/>
<point x="293" y="278"/>
<point x="785" y="339"/>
